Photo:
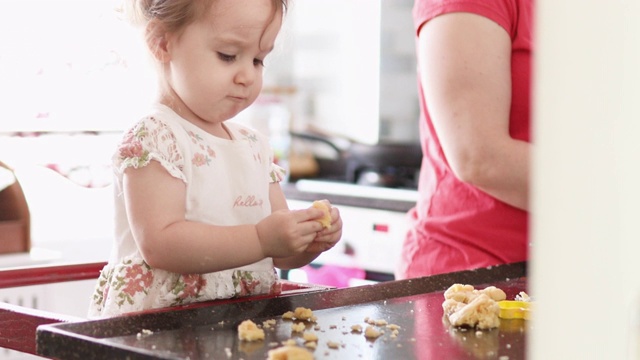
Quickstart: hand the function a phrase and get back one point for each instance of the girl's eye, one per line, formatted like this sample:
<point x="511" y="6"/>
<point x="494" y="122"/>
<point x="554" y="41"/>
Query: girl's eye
<point x="258" y="62"/>
<point x="225" y="57"/>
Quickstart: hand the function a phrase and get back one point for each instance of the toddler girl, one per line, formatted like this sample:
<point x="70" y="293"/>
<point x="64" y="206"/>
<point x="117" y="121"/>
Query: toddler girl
<point x="200" y="213"/>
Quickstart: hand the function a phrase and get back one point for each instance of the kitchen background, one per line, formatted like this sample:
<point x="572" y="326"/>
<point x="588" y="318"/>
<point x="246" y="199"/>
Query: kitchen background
<point x="585" y="235"/>
<point x="73" y="76"/>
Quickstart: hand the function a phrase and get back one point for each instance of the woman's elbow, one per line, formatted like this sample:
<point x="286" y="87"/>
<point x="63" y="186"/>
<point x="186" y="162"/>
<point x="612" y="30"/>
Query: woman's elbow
<point x="470" y="169"/>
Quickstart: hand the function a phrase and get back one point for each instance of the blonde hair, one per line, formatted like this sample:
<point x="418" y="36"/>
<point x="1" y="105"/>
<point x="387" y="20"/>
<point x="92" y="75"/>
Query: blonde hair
<point x="174" y="15"/>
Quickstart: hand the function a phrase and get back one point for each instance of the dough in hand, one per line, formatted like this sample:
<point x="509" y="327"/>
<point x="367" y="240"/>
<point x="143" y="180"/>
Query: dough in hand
<point x="325" y="206"/>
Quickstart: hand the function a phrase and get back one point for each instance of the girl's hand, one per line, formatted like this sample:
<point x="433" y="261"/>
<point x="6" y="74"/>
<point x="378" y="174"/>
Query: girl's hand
<point x="286" y="233"/>
<point x="328" y="237"/>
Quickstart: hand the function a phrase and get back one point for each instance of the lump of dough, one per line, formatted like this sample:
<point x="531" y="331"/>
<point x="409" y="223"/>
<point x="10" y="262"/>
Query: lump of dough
<point x="290" y="352"/>
<point x="249" y="331"/>
<point x="466" y="306"/>
<point x="325" y="206"/>
<point x="482" y="313"/>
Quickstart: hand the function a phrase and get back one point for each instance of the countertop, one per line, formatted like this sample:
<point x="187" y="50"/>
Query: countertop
<point x="209" y="331"/>
<point x="341" y="193"/>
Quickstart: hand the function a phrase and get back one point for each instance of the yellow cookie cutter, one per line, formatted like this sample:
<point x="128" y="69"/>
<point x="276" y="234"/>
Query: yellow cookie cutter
<point x="510" y="309"/>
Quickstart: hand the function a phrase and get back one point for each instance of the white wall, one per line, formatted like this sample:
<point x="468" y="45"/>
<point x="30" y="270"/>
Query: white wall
<point x="587" y="164"/>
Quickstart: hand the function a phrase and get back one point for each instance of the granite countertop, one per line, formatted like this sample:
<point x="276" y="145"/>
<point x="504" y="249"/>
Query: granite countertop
<point x="209" y="331"/>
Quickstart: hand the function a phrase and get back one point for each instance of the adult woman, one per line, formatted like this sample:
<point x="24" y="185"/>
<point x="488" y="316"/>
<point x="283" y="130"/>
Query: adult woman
<point x="474" y="72"/>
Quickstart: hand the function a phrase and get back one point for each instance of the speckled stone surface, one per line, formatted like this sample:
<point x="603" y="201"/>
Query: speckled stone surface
<point x="209" y="330"/>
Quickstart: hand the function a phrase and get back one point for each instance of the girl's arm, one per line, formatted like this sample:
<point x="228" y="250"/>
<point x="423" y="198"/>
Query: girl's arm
<point x="156" y="209"/>
<point x="465" y="66"/>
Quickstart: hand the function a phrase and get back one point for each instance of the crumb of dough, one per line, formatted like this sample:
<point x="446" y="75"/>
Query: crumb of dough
<point x="311" y="344"/>
<point x="269" y="323"/>
<point x="333" y="344"/>
<point x="309" y="336"/>
<point x="381" y="322"/>
<point x="371" y="333"/>
<point x="297" y="327"/>
<point x="300" y="313"/>
<point x="289" y="342"/>
<point x="144" y="332"/>
<point x="325" y="206"/>
<point x="249" y="331"/>
<point x="289" y="352"/>
<point x="356" y="328"/>
<point x="288" y="315"/>
<point x="393" y="327"/>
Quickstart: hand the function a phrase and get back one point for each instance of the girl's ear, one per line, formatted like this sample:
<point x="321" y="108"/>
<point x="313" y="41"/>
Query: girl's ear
<point x="157" y="38"/>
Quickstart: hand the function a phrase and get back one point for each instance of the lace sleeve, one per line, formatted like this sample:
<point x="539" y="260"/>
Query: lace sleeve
<point x="277" y="173"/>
<point x="150" y="139"/>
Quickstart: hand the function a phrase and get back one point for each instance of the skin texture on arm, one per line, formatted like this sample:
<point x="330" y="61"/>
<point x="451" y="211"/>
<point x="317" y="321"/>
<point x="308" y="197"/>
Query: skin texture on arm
<point x="155" y="203"/>
<point x="464" y="61"/>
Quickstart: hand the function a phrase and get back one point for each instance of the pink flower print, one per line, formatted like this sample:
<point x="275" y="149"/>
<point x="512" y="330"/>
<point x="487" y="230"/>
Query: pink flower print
<point x="247" y="286"/>
<point x="192" y="285"/>
<point x="134" y="271"/>
<point x="211" y="152"/>
<point x="200" y="160"/>
<point x="136" y="280"/>
<point x="132" y="287"/>
<point x="276" y="288"/>
<point x="131" y="149"/>
<point x="193" y="137"/>
<point x="249" y="135"/>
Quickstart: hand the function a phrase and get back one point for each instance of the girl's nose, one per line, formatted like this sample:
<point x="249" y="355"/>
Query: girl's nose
<point x="247" y="74"/>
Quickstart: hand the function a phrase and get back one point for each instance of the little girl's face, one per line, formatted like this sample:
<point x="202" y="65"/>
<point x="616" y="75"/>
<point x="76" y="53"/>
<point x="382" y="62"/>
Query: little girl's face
<point x="215" y="65"/>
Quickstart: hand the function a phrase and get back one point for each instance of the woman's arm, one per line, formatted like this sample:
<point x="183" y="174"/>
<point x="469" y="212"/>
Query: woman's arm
<point x="156" y="211"/>
<point x="465" y="66"/>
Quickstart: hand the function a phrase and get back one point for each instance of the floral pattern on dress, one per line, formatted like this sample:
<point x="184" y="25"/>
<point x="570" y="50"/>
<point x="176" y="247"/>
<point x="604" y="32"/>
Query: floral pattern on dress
<point x="131" y="284"/>
<point x="201" y="158"/>
<point x="187" y="289"/>
<point x="149" y="139"/>
<point x="277" y="174"/>
<point x="131" y="151"/>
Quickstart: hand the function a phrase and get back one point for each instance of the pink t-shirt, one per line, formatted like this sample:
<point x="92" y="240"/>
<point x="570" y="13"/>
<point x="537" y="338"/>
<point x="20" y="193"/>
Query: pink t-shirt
<point x="455" y="226"/>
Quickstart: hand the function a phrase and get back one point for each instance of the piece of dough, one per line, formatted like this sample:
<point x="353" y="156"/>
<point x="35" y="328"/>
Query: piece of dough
<point x="289" y="352"/>
<point x="249" y="331"/>
<point x="466" y="306"/>
<point x="325" y="206"/>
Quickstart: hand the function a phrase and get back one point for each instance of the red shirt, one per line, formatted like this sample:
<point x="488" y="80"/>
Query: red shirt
<point x="455" y="226"/>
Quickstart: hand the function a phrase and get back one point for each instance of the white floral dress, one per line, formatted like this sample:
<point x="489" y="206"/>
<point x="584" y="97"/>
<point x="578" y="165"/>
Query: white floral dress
<point x="227" y="184"/>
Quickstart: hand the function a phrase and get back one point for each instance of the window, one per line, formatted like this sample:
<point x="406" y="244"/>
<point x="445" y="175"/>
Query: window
<point x="69" y="65"/>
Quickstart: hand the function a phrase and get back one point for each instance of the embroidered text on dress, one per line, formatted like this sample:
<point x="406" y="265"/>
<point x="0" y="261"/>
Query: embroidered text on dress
<point x="247" y="201"/>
